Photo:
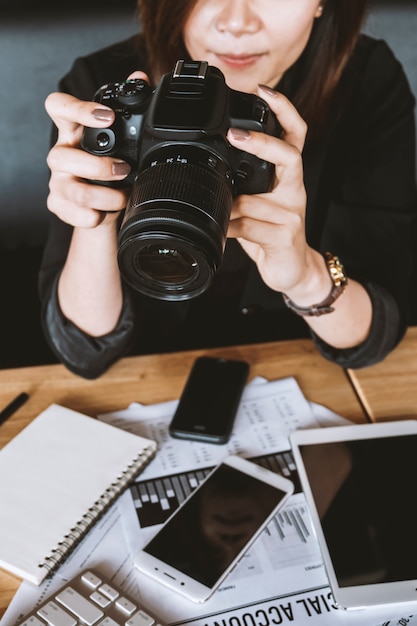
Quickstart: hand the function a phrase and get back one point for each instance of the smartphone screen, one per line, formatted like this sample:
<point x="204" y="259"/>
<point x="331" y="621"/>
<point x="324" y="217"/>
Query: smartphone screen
<point x="205" y="537"/>
<point x="210" y="400"/>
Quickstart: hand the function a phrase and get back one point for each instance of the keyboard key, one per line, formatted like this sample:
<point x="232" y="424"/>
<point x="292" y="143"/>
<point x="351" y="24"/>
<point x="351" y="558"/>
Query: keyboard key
<point x="109" y="591"/>
<point x="140" y="619"/>
<point x="109" y="621"/>
<point x="91" y="579"/>
<point x="82" y="608"/>
<point x="89" y="599"/>
<point x="126" y="606"/>
<point x="100" y="600"/>
<point x="55" y="616"/>
<point x="32" y="621"/>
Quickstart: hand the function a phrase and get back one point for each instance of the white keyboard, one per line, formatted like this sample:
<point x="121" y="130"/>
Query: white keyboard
<point x="89" y="600"/>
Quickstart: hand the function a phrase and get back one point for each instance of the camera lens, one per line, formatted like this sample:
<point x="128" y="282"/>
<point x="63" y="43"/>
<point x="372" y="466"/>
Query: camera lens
<point x="166" y="264"/>
<point x="173" y="234"/>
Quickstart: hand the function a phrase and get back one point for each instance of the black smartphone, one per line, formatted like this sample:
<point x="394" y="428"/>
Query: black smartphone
<point x="210" y="399"/>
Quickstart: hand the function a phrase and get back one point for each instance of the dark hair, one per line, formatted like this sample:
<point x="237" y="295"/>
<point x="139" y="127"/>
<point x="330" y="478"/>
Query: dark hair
<point x="317" y="72"/>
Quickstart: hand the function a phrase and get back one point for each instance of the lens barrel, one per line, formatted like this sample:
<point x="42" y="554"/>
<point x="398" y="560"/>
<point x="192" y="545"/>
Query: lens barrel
<point x="173" y="234"/>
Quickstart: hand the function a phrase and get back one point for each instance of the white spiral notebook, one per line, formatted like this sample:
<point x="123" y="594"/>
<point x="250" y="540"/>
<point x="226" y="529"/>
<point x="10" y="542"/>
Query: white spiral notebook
<point x="57" y="476"/>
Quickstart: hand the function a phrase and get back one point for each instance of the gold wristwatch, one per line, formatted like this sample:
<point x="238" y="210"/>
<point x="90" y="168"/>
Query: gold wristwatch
<point x="339" y="279"/>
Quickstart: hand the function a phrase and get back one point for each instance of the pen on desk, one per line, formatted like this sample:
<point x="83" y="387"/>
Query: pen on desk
<point x="13" y="406"/>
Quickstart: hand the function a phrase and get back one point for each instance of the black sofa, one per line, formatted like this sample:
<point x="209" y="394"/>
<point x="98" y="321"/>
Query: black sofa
<point x="37" y="46"/>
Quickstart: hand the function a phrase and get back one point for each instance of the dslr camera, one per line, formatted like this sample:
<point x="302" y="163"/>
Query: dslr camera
<point x="184" y="176"/>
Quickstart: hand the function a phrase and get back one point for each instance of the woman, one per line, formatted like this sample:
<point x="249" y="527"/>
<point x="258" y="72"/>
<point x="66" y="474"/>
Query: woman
<point x="344" y="185"/>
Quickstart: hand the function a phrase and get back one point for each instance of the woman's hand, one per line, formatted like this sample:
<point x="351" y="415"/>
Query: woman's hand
<point x="271" y="229"/>
<point x="72" y="197"/>
<point x="89" y="290"/>
<point x="271" y="226"/>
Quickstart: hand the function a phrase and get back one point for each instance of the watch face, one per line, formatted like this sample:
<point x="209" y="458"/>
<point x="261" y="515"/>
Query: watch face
<point x="336" y="270"/>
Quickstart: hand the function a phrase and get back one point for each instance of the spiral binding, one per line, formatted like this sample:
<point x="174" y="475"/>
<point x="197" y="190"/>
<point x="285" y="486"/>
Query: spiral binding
<point x="78" y="532"/>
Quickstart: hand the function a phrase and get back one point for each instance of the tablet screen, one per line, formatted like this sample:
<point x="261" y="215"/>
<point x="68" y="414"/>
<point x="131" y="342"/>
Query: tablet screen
<point x="364" y="495"/>
<point x="370" y="524"/>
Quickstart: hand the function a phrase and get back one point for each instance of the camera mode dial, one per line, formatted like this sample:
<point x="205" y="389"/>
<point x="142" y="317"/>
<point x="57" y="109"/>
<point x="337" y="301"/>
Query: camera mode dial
<point x="133" y="93"/>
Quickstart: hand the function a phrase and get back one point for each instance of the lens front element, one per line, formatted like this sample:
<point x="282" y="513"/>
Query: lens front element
<point x="165" y="264"/>
<point x="173" y="234"/>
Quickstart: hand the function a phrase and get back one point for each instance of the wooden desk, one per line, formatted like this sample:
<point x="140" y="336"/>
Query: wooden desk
<point x="388" y="390"/>
<point x="151" y="379"/>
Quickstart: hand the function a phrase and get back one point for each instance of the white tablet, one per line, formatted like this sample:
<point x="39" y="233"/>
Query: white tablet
<point x="360" y="483"/>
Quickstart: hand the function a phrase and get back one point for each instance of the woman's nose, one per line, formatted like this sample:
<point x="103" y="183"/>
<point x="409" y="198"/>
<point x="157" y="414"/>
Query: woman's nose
<point x="237" y="17"/>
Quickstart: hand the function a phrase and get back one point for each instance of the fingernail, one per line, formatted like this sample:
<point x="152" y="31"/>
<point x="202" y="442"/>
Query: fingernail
<point x="239" y="134"/>
<point x="103" y="115"/>
<point x="268" y="90"/>
<point x="120" y="168"/>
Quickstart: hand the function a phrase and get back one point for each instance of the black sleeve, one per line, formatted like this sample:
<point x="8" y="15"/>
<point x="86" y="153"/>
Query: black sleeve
<point x="370" y="202"/>
<point x="84" y="355"/>
<point x="371" y="216"/>
<point x="383" y="337"/>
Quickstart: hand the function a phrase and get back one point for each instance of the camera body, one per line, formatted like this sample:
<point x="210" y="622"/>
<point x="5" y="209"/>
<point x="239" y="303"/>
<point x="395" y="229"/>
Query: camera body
<point x="184" y="173"/>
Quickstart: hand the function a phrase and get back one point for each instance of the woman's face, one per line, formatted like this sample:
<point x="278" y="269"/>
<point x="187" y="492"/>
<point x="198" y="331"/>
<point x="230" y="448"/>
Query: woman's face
<point x="251" y="41"/>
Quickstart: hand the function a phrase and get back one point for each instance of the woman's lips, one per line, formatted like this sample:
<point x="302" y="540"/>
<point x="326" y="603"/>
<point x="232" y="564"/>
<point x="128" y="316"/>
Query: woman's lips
<point x="237" y="60"/>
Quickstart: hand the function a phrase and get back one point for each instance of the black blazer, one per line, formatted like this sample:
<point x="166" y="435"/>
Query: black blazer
<point x="362" y="202"/>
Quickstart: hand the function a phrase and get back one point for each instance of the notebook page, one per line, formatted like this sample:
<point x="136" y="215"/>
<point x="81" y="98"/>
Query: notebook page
<point x="51" y="474"/>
